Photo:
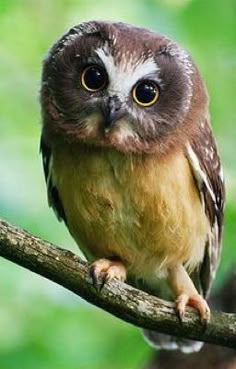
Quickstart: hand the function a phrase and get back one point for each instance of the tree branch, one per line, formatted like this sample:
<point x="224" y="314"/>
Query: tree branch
<point x="210" y="356"/>
<point x="121" y="300"/>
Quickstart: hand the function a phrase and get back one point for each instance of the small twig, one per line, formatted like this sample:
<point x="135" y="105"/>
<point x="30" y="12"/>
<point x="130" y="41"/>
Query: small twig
<point x="121" y="300"/>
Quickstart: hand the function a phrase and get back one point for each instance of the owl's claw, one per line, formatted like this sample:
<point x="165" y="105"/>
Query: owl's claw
<point x="104" y="270"/>
<point x="97" y="278"/>
<point x="197" y="302"/>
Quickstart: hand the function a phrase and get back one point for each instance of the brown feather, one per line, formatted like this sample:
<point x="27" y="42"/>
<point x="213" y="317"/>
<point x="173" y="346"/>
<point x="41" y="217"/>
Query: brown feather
<point x="212" y="191"/>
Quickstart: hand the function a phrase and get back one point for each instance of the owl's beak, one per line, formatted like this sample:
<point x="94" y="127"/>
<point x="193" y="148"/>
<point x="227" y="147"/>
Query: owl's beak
<point x="112" y="112"/>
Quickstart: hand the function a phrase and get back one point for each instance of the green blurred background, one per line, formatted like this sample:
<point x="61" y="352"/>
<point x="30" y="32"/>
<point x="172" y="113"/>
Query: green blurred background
<point x="43" y="326"/>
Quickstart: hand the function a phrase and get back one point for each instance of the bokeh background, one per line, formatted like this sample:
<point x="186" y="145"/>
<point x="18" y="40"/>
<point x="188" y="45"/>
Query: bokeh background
<point x="43" y="325"/>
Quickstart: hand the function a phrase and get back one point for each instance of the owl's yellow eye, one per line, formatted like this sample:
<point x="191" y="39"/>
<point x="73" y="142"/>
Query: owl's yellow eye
<point x="94" y="78"/>
<point x="145" y="93"/>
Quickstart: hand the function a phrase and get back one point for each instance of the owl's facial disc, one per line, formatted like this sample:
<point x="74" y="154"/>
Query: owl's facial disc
<point x="115" y="85"/>
<point x="118" y="91"/>
<point x="129" y="88"/>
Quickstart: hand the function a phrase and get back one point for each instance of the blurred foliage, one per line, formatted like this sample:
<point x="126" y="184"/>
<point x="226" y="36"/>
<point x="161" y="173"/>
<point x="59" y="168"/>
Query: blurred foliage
<point x="41" y="324"/>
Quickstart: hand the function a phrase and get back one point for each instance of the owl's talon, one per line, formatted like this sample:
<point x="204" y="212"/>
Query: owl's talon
<point x="96" y="278"/>
<point x="197" y="302"/>
<point x="181" y="303"/>
<point x="103" y="271"/>
<point x="180" y="314"/>
<point x="205" y="322"/>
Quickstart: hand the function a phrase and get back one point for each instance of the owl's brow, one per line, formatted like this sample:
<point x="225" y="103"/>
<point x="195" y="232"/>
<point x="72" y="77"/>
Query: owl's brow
<point x="125" y="74"/>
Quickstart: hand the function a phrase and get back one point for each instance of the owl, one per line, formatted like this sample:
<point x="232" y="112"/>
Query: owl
<point x="130" y="162"/>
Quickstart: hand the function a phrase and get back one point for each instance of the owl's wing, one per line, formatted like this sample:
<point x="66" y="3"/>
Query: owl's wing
<point x="207" y="171"/>
<point x="53" y="195"/>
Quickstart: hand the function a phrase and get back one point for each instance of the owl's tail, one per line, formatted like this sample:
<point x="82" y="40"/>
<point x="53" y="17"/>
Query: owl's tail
<point x="166" y="342"/>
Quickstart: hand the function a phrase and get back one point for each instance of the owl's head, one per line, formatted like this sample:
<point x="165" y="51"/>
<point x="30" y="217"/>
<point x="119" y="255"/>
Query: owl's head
<point x="116" y="85"/>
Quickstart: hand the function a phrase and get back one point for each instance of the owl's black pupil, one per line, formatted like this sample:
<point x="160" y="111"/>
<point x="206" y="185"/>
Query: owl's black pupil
<point x="145" y="92"/>
<point x="94" y="78"/>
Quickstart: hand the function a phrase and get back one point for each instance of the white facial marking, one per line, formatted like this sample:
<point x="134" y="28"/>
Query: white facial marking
<point x="123" y="76"/>
<point x="124" y="132"/>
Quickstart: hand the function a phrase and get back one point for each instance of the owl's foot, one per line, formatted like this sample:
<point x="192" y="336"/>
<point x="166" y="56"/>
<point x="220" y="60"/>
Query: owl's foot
<point x="187" y="294"/>
<point x="104" y="270"/>
<point x="197" y="302"/>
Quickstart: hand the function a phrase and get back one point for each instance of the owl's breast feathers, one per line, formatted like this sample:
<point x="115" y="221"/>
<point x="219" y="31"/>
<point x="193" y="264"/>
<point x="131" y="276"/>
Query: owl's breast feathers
<point x="145" y="211"/>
